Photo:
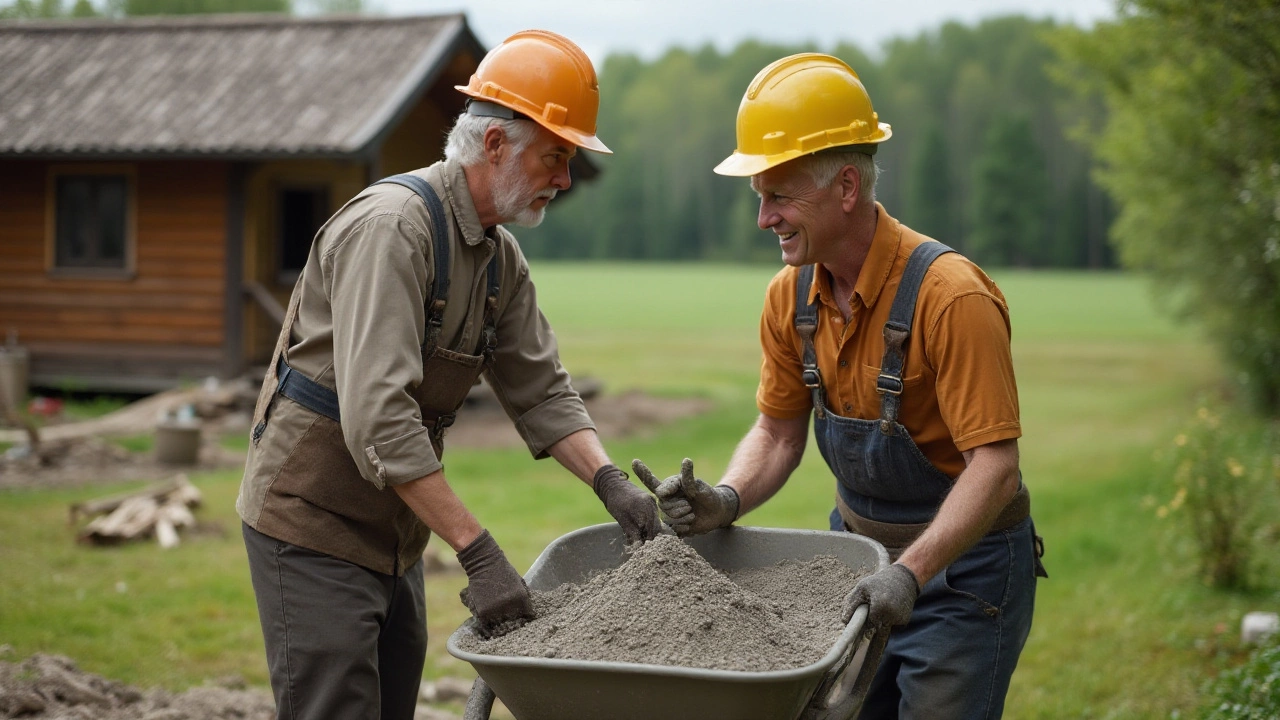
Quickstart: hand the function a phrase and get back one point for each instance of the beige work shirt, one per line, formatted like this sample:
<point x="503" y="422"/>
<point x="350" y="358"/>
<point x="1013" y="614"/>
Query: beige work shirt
<point x="361" y="322"/>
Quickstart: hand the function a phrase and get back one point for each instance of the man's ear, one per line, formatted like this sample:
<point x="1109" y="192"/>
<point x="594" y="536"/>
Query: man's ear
<point x="850" y="187"/>
<point x="495" y="144"/>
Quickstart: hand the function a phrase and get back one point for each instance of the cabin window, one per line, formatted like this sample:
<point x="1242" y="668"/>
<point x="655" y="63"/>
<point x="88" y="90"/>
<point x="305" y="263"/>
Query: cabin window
<point x="301" y="212"/>
<point x="91" y="222"/>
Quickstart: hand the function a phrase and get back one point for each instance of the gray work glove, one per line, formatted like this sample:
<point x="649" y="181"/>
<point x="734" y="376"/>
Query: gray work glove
<point x="692" y="507"/>
<point x="495" y="593"/>
<point x="629" y="505"/>
<point x="891" y="593"/>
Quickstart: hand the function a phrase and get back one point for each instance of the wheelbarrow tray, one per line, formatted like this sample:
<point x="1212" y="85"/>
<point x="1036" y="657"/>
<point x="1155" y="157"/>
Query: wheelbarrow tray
<point x="566" y="689"/>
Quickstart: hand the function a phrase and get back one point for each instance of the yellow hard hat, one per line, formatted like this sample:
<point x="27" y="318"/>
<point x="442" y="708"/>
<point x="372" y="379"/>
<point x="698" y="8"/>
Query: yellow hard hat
<point x="799" y="105"/>
<point x="545" y="77"/>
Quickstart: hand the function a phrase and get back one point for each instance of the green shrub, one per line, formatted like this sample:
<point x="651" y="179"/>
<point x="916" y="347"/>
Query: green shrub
<point x="1226" y="477"/>
<point x="1249" y="692"/>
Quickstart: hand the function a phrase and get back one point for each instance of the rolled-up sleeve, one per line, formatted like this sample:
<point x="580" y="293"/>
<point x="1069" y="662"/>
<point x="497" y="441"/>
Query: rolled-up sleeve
<point x="375" y="277"/>
<point x="527" y="377"/>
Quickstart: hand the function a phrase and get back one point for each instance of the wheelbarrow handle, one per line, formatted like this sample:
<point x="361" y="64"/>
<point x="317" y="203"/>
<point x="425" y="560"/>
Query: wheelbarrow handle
<point x="848" y="706"/>
<point x="480" y="703"/>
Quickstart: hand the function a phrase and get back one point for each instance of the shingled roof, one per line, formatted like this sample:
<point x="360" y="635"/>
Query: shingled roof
<point x="238" y="86"/>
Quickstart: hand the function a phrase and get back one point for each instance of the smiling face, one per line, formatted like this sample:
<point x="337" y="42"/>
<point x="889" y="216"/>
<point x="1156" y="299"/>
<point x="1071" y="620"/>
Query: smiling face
<point x="809" y="221"/>
<point x="526" y="181"/>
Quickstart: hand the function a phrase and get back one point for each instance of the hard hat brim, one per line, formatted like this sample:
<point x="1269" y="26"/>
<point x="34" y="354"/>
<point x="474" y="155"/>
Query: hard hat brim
<point x="574" y="136"/>
<point x="743" y="165"/>
<point x="586" y="142"/>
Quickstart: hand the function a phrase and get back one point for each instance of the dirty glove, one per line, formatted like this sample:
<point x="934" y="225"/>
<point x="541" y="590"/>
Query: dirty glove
<point x="495" y="593"/>
<point x="629" y="505"/>
<point x="891" y="593"/>
<point x="692" y="506"/>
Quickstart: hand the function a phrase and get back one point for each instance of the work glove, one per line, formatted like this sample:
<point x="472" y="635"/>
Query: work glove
<point x="891" y="593"/>
<point x="629" y="505"/>
<point x="692" y="507"/>
<point x="495" y="593"/>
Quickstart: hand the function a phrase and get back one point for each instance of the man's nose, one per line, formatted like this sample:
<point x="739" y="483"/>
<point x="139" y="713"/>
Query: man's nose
<point x="561" y="180"/>
<point x="767" y="217"/>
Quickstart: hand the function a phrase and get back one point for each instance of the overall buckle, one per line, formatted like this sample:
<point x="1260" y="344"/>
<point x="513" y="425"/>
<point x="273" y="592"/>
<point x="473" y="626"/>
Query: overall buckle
<point x="888" y="385"/>
<point x="812" y="378"/>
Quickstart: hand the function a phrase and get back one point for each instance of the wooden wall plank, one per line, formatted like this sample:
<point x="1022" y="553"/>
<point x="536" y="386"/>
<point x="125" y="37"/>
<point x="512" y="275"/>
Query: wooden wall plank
<point x="175" y="294"/>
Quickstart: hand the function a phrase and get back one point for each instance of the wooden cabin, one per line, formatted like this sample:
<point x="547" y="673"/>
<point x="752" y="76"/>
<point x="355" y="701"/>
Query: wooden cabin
<point x="161" y="180"/>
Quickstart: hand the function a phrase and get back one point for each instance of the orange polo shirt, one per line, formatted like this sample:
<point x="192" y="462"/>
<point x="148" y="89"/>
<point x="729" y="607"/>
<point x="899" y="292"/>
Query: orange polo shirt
<point x="959" y="388"/>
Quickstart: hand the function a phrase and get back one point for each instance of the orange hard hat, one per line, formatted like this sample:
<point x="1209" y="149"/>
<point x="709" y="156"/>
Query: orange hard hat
<point x="545" y="77"/>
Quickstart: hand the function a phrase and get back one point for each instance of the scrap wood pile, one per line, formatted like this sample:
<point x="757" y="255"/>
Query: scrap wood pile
<point x="157" y="511"/>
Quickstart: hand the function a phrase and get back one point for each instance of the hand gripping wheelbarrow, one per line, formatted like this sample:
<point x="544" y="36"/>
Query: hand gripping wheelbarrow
<point x="562" y="689"/>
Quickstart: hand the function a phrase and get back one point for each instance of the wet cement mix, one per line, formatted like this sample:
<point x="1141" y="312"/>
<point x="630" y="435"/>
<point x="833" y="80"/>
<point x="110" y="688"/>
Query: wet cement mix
<point x="666" y="605"/>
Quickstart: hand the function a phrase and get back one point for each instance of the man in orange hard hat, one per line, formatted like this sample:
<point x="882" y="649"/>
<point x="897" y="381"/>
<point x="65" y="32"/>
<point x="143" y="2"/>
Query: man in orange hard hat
<point x="412" y="291"/>
<point x="898" y="347"/>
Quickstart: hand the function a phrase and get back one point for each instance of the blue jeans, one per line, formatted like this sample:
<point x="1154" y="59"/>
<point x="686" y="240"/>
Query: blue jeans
<point x="954" y="659"/>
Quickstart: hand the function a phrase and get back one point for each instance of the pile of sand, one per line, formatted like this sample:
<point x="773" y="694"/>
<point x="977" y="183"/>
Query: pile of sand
<point x="667" y="606"/>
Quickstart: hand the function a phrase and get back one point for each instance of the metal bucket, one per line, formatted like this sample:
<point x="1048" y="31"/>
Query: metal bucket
<point x="558" y="689"/>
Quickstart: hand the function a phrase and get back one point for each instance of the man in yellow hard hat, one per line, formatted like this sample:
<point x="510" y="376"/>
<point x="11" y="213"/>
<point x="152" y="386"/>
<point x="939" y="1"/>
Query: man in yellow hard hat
<point x="899" y="349"/>
<point x="411" y="292"/>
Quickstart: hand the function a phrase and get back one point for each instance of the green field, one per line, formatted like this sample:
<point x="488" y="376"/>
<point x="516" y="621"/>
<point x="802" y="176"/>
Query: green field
<point x="1124" y="628"/>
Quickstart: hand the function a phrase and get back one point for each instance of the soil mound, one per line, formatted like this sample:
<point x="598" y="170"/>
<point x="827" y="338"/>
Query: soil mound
<point x="51" y="686"/>
<point x="667" y="606"/>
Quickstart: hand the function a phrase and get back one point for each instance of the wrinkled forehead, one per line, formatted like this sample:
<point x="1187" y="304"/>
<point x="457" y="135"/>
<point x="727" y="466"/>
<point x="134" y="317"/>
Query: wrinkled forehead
<point x="782" y="179"/>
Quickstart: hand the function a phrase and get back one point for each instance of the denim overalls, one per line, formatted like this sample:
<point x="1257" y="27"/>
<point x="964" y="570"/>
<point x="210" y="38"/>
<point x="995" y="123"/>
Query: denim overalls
<point x="955" y="657"/>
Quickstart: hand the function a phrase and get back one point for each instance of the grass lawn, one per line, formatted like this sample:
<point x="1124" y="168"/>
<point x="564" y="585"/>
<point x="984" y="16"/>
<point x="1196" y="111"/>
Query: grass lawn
<point x="1124" y="628"/>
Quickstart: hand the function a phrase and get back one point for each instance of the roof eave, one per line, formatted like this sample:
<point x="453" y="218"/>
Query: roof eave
<point x="426" y="71"/>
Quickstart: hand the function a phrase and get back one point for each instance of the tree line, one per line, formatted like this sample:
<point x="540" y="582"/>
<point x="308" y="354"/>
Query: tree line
<point x="981" y="155"/>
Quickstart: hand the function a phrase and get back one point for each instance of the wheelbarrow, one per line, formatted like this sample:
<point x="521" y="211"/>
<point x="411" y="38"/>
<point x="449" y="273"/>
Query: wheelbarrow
<point x="832" y="688"/>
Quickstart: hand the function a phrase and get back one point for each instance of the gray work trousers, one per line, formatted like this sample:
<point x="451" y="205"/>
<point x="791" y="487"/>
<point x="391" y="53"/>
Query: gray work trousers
<point x="342" y="641"/>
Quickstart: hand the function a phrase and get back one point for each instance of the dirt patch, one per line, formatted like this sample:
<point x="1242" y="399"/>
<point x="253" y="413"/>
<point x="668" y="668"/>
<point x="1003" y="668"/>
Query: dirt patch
<point x="667" y="606"/>
<point x="51" y="686"/>
<point x="481" y="424"/>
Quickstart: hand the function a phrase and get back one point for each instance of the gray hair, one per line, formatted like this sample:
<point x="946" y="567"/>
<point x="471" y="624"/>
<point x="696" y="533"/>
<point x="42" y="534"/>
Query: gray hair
<point x="823" y="167"/>
<point x="466" y="140"/>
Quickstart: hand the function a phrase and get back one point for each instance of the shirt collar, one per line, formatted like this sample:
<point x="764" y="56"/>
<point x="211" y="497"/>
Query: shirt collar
<point x="458" y="194"/>
<point x="875" y="269"/>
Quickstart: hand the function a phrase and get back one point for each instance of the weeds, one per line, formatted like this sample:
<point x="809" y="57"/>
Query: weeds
<point x="1226" y="479"/>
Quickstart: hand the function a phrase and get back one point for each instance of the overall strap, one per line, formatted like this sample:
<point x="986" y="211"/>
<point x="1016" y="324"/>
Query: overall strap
<point x="806" y="324"/>
<point x="897" y="331"/>
<point x="324" y="401"/>
<point x="489" y="334"/>
<point x="440" y="251"/>
<point x="306" y="392"/>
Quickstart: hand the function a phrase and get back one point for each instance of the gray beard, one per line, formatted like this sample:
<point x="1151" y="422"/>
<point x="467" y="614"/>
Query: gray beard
<point x="512" y="196"/>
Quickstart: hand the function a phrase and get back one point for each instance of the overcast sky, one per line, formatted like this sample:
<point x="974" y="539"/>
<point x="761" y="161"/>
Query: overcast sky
<point x="648" y="27"/>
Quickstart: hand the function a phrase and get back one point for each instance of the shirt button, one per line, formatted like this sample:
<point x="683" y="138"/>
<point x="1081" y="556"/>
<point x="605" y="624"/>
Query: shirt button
<point x="847" y="407"/>
<point x="844" y="363"/>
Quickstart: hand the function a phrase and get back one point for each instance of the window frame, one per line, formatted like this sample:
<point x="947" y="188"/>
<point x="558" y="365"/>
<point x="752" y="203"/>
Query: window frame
<point x="129" y="268"/>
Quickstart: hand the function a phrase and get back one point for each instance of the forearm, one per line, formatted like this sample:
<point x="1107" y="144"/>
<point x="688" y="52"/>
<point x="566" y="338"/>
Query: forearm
<point x="435" y="503"/>
<point x="580" y="453"/>
<point x="764" y="459"/>
<point x="987" y="484"/>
